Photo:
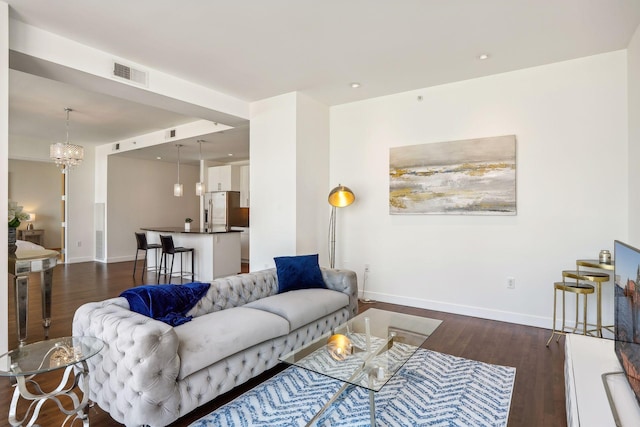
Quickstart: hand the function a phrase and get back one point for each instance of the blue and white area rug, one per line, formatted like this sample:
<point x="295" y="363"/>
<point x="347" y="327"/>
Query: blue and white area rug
<point x="432" y="389"/>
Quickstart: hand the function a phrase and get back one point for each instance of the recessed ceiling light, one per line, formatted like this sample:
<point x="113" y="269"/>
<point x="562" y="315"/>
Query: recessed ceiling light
<point x="355" y="85"/>
<point x="483" y="56"/>
<point x="230" y="154"/>
<point x="158" y="158"/>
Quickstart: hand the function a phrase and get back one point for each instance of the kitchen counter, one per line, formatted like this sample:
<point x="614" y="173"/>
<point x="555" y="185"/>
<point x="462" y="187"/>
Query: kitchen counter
<point x="216" y="250"/>
<point x="214" y="230"/>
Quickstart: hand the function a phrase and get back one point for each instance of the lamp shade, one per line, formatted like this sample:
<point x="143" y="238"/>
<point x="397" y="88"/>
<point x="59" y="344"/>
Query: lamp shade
<point x="199" y="188"/>
<point x="341" y="196"/>
<point x="32" y="218"/>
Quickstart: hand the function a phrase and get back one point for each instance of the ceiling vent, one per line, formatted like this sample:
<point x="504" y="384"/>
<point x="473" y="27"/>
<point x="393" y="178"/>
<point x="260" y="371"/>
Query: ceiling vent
<point x="130" y="74"/>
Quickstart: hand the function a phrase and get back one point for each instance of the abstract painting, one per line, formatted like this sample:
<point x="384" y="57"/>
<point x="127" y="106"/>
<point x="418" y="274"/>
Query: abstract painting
<point x="468" y="177"/>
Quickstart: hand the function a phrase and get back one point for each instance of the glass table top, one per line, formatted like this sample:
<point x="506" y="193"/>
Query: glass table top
<point x="48" y="355"/>
<point x="368" y="350"/>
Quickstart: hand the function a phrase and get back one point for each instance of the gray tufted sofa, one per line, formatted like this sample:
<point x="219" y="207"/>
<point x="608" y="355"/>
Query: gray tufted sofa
<point x="150" y="373"/>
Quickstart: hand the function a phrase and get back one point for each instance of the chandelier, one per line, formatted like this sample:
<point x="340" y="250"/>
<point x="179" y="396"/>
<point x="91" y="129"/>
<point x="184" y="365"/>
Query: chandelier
<point x="64" y="154"/>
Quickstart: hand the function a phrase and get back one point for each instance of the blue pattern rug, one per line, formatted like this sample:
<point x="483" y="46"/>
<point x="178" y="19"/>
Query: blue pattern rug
<point x="432" y="389"/>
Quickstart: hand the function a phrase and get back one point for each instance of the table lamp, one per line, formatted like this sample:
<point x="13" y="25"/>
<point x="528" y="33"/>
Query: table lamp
<point x="32" y="218"/>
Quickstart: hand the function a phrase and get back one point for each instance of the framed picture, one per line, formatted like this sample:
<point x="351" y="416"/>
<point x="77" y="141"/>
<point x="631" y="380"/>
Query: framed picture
<point x="468" y="177"/>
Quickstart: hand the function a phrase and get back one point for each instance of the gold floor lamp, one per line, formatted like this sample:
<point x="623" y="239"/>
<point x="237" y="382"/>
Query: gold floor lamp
<point x="339" y="197"/>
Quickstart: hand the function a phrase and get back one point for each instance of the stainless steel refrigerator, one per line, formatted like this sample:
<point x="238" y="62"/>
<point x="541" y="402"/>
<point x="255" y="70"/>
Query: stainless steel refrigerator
<point x="222" y="209"/>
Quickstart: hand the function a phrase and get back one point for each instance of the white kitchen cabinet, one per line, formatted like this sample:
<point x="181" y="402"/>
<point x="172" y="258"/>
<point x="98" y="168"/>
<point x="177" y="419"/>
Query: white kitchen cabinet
<point x="244" y="186"/>
<point x="223" y="178"/>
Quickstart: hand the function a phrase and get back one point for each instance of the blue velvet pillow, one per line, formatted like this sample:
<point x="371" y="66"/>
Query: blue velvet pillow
<point x="166" y="303"/>
<point x="298" y="272"/>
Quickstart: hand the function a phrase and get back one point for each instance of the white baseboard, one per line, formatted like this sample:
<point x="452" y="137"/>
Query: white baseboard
<point x="466" y="310"/>
<point x="122" y="258"/>
<point x="78" y="260"/>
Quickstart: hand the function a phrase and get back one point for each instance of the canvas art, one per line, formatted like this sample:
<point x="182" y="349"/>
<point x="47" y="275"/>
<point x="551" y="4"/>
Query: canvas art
<point x="468" y="177"/>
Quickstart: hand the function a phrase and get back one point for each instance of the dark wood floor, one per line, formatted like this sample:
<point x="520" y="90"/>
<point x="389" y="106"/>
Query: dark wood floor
<point x="538" y="396"/>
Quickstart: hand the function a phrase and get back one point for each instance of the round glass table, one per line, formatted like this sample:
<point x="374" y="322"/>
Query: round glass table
<point x="69" y="354"/>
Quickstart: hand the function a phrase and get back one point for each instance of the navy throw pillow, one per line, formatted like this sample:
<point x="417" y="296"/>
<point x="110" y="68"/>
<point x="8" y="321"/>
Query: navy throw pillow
<point x="298" y="272"/>
<point x="166" y="303"/>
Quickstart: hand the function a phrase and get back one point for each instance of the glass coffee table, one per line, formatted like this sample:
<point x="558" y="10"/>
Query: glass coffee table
<point x="365" y="352"/>
<point x="27" y="361"/>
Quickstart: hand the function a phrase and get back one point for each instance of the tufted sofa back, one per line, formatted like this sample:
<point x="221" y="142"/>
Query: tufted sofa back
<point x="235" y="291"/>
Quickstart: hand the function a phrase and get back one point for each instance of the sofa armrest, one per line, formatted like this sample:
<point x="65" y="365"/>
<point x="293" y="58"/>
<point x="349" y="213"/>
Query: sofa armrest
<point x="344" y="281"/>
<point x="138" y="366"/>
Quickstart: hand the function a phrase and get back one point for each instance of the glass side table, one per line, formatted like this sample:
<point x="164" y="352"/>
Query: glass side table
<point x="27" y="361"/>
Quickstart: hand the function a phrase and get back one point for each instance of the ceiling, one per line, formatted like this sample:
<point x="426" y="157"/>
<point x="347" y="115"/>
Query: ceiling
<point x="253" y="50"/>
<point x="37" y="117"/>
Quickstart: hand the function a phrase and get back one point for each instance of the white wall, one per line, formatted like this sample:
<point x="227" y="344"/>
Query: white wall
<point x="80" y="205"/>
<point x="80" y="210"/>
<point x="140" y="194"/>
<point x="633" y="82"/>
<point x="289" y="178"/>
<point x="570" y="120"/>
<point x="4" y="155"/>
<point x="272" y="180"/>
<point x="312" y="177"/>
<point x="37" y="187"/>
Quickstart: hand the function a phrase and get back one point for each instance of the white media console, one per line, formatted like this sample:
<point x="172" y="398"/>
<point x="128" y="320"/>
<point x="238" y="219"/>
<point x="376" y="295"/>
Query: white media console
<point x="586" y="359"/>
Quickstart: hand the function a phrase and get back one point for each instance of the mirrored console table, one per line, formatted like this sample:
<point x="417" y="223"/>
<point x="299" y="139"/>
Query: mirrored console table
<point x="21" y="265"/>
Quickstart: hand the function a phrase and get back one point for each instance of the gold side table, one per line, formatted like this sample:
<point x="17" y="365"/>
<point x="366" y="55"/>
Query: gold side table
<point x="578" y="289"/>
<point x="21" y="265"/>
<point x="598" y="278"/>
<point x="596" y="264"/>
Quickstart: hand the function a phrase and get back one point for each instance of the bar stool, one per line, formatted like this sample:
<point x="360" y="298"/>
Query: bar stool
<point x="576" y="288"/>
<point x="168" y="248"/>
<point x="141" y="240"/>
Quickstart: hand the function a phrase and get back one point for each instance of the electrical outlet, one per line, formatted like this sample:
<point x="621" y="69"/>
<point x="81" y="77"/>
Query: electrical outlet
<point x="367" y="268"/>
<point x="511" y="283"/>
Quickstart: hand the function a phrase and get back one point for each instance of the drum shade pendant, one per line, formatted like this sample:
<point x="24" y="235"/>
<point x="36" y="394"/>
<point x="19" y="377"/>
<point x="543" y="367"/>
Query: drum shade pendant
<point x="177" y="188"/>
<point x="64" y="154"/>
<point x="339" y="197"/>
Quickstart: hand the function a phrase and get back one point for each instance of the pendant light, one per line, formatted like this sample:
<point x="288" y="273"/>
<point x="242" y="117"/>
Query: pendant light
<point x="64" y="154"/>
<point x="200" y="185"/>
<point x="177" y="188"/>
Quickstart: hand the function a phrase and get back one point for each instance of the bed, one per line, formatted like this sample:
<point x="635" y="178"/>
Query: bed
<point x="24" y="245"/>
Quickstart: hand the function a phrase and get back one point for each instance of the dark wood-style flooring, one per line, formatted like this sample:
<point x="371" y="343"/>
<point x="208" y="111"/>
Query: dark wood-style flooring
<point x="538" y="396"/>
